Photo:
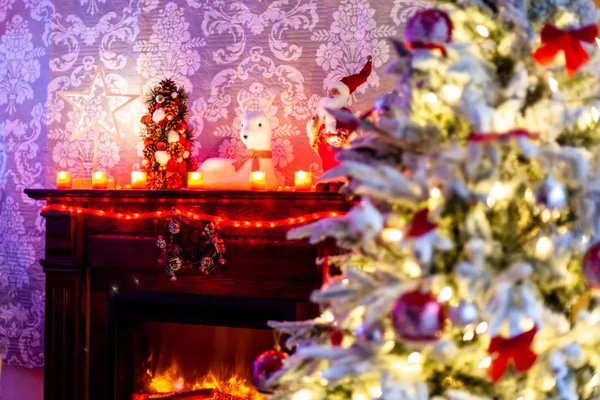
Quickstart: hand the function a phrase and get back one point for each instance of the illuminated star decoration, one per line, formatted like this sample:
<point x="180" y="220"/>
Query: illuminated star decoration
<point x="97" y="110"/>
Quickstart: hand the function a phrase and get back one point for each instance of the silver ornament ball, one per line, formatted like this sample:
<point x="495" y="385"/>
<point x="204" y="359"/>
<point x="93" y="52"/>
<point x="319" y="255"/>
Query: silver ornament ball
<point x="550" y="194"/>
<point x="174" y="227"/>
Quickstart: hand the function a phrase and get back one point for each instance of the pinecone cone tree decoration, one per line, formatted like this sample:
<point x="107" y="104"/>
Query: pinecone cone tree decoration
<point x="167" y="144"/>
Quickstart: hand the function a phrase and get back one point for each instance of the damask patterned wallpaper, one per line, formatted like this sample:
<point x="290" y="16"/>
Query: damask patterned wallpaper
<point x="214" y="48"/>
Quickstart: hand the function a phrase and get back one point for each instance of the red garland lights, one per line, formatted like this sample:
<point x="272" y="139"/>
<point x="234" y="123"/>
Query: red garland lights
<point x="191" y="214"/>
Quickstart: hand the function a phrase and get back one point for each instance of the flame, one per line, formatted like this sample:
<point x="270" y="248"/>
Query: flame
<point x="172" y="381"/>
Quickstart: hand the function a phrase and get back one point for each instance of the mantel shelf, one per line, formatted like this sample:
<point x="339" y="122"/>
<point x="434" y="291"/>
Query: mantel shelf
<point x="220" y="196"/>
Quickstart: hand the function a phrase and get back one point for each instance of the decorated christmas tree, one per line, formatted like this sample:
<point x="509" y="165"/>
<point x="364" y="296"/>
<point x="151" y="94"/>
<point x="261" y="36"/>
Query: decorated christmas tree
<point x="167" y="142"/>
<point x="471" y="257"/>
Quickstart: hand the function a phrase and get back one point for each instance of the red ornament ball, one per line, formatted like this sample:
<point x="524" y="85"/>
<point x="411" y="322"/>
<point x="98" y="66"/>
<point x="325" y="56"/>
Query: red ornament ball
<point x="147" y="142"/>
<point x="591" y="266"/>
<point x="171" y="165"/>
<point x="161" y="146"/>
<point x="428" y="27"/>
<point x="418" y="316"/>
<point x="264" y="366"/>
<point x="336" y="336"/>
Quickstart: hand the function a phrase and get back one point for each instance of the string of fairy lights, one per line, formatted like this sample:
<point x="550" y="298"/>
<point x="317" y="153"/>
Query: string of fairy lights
<point x="193" y="215"/>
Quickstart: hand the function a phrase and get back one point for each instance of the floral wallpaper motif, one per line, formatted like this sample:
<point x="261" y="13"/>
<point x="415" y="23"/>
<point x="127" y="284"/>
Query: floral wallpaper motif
<point x="215" y="48"/>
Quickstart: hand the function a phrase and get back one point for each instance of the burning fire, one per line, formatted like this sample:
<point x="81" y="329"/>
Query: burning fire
<point x="172" y="381"/>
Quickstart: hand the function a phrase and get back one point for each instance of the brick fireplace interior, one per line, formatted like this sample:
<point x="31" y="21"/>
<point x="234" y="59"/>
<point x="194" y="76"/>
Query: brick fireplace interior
<point x="117" y="326"/>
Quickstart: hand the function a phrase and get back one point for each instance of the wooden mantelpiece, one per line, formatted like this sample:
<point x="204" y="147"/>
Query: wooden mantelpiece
<point x="90" y="257"/>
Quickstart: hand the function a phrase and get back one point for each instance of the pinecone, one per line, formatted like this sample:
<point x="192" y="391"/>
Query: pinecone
<point x="171" y="111"/>
<point x="167" y="86"/>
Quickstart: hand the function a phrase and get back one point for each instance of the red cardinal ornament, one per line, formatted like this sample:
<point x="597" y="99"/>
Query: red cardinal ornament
<point x="591" y="266"/>
<point x="569" y="41"/>
<point x="516" y="350"/>
<point x="264" y="366"/>
<point x="428" y="29"/>
<point x="418" y="316"/>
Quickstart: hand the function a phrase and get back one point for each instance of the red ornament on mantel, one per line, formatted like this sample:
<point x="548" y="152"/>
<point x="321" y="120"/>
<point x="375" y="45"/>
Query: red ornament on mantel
<point x="591" y="266"/>
<point x="264" y="366"/>
<point x="516" y="350"/>
<point x="418" y="316"/>
<point x="429" y="29"/>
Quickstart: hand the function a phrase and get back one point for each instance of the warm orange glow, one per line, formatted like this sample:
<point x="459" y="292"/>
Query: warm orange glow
<point x="195" y="180"/>
<point x="63" y="180"/>
<point x="172" y="381"/>
<point x="138" y="179"/>
<point x="302" y="180"/>
<point x="99" y="180"/>
<point x="258" y="180"/>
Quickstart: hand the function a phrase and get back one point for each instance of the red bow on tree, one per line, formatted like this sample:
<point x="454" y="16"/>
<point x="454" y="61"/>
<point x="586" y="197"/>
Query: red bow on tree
<point x="516" y="349"/>
<point x="569" y="41"/>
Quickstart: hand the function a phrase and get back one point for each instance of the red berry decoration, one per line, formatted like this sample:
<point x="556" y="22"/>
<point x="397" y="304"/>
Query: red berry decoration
<point x="418" y="316"/>
<point x="428" y="29"/>
<point x="161" y="146"/>
<point x="336" y="336"/>
<point x="265" y="365"/>
<point x="591" y="266"/>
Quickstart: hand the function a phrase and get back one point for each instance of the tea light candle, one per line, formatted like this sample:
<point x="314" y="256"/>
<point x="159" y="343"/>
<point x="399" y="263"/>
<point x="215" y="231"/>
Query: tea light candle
<point x="63" y="180"/>
<point x="257" y="180"/>
<point x="195" y="180"/>
<point x="138" y="179"/>
<point x="302" y="180"/>
<point x="99" y="180"/>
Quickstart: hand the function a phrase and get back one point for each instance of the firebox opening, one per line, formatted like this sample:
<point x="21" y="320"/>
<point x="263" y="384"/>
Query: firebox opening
<point x="172" y="343"/>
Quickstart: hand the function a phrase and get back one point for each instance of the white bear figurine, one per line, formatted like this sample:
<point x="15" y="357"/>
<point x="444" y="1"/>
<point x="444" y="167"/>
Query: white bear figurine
<point x="256" y="133"/>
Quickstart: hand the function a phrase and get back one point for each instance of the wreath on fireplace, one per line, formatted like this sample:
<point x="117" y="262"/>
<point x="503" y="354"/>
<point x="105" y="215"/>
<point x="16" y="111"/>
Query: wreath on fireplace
<point x="190" y="245"/>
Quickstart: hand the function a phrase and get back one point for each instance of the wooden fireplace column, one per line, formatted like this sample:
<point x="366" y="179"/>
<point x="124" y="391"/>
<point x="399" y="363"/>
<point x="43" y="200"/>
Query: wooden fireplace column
<point x="89" y="258"/>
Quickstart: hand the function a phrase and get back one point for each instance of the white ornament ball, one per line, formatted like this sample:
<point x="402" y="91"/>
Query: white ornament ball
<point x="162" y="157"/>
<point x="158" y="115"/>
<point x="186" y="155"/>
<point x="172" y="136"/>
<point x="180" y="159"/>
<point x="174" y="95"/>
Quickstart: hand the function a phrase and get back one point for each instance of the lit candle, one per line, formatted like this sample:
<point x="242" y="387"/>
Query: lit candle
<point x="99" y="180"/>
<point x="257" y="180"/>
<point x="195" y="180"/>
<point x="303" y="180"/>
<point x="63" y="180"/>
<point x="138" y="180"/>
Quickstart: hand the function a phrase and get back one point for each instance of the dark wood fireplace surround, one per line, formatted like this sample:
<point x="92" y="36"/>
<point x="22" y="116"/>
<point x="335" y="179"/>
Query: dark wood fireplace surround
<point x="90" y="260"/>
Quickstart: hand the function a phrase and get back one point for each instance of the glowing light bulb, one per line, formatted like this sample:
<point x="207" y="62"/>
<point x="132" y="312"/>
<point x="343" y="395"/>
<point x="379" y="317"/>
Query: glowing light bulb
<point x="481" y="328"/>
<point x="529" y="197"/>
<point x="430" y="98"/>
<point x="451" y="92"/>
<point x="359" y="396"/>
<point x="543" y="247"/>
<point x="595" y="114"/>
<point x="468" y="336"/>
<point x="303" y="394"/>
<point x="482" y="30"/>
<point x="598" y="42"/>
<point x="328" y="316"/>
<point x="553" y="84"/>
<point x="411" y="268"/>
<point x="391" y="235"/>
<point x="414" y="358"/>
<point x="445" y="294"/>
<point x="498" y="192"/>
<point x="594" y="381"/>
<point x="375" y="391"/>
<point x="485" y="363"/>
<point x="435" y="193"/>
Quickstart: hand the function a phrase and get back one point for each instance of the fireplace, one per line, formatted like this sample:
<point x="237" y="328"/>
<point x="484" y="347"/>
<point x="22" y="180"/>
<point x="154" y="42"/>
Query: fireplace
<point x="117" y="326"/>
<point x="181" y="343"/>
